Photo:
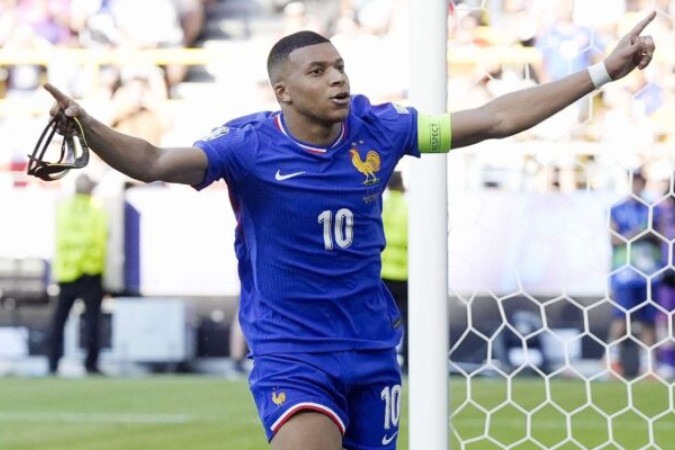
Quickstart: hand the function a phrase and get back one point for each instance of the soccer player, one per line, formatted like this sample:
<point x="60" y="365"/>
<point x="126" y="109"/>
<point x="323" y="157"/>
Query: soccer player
<point x="306" y="185"/>
<point x="636" y="250"/>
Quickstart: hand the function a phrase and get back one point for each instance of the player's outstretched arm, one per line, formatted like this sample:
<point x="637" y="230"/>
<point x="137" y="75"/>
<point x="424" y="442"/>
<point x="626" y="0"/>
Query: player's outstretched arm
<point x="130" y="155"/>
<point x="520" y="110"/>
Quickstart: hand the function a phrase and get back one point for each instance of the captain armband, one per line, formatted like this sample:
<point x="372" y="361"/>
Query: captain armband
<point x="434" y="133"/>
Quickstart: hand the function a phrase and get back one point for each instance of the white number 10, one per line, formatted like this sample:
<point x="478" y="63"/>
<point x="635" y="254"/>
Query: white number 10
<point x="337" y="230"/>
<point x="392" y="405"/>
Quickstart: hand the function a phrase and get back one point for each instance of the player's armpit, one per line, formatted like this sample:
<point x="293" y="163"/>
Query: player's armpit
<point x="434" y="133"/>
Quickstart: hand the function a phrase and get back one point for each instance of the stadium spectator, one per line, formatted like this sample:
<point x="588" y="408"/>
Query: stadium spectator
<point x="32" y="25"/>
<point x="635" y="259"/>
<point x="306" y="185"/>
<point x="135" y="31"/>
<point x="395" y="254"/>
<point x="118" y="24"/>
<point x="192" y="18"/>
<point x="567" y="47"/>
<point x="79" y="265"/>
<point x="296" y="18"/>
<point x="139" y="103"/>
<point x="375" y="16"/>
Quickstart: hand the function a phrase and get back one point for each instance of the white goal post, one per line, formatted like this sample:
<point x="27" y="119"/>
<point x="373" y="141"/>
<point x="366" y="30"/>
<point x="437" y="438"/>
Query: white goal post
<point x="520" y="265"/>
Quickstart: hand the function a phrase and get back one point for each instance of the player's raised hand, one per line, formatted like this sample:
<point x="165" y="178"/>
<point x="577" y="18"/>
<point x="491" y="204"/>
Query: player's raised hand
<point x="63" y="103"/>
<point x="632" y="51"/>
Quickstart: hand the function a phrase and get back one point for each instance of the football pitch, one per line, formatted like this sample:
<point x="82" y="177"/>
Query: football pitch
<point x="202" y="412"/>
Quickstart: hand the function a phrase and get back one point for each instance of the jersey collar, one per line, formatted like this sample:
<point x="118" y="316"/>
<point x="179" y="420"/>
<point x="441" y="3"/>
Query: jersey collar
<point x="281" y="126"/>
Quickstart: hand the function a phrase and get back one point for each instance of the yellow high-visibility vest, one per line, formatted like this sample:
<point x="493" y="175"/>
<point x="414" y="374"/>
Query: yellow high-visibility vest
<point x="81" y="238"/>
<point x="395" y="254"/>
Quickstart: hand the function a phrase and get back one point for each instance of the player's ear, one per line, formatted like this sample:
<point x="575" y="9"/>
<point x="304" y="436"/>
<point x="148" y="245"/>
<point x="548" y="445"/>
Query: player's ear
<point x="281" y="92"/>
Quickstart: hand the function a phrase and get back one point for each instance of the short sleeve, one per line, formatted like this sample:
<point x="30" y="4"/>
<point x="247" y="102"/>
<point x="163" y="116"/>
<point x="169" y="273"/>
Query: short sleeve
<point x="230" y="152"/>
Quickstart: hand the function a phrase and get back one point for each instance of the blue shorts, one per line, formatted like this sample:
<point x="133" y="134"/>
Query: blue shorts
<point x="359" y="390"/>
<point x="629" y="296"/>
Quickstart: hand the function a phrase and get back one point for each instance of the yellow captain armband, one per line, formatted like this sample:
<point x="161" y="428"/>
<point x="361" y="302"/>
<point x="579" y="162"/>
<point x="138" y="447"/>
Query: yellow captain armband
<point x="434" y="133"/>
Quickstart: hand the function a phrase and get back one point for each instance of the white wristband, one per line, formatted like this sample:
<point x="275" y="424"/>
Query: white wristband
<point x="599" y="74"/>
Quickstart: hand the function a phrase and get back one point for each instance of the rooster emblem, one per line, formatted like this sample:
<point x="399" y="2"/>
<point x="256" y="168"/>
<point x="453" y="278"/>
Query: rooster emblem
<point x="368" y="167"/>
<point x="278" y="399"/>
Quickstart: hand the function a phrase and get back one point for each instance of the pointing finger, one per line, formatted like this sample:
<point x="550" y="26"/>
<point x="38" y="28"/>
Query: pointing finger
<point x="63" y="102"/>
<point x="59" y="96"/>
<point x="641" y="25"/>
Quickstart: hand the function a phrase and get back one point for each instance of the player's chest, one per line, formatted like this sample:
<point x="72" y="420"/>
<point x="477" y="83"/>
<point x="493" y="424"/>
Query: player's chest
<point x="352" y="173"/>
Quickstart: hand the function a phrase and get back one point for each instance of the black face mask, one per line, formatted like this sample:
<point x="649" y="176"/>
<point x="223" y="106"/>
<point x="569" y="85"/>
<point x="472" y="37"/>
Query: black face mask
<point x="74" y="152"/>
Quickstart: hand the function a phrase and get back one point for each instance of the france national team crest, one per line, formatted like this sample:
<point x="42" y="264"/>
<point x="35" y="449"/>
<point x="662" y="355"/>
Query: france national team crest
<point x="278" y="398"/>
<point x="368" y="166"/>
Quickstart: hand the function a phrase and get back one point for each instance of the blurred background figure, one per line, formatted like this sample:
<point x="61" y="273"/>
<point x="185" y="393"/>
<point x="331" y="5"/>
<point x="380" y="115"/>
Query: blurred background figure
<point x="567" y="46"/>
<point x="36" y="25"/>
<point x="297" y="17"/>
<point x="665" y="294"/>
<point x="140" y="103"/>
<point x="79" y="265"/>
<point x="395" y="254"/>
<point x="635" y="257"/>
<point x="175" y="24"/>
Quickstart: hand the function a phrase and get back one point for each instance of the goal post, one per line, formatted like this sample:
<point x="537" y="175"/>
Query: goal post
<point x="428" y="308"/>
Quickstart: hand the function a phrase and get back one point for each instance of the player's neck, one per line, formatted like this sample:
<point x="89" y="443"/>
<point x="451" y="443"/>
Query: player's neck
<point x="311" y="132"/>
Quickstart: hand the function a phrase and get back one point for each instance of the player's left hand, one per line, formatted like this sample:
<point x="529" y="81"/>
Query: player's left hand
<point x="632" y="51"/>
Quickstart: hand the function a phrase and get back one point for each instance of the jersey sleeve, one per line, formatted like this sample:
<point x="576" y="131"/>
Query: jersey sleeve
<point x="419" y="133"/>
<point x="397" y="124"/>
<point x="230" y="152"/>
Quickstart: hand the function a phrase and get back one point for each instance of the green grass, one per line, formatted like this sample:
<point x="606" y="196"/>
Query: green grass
<point x="167" y="412"/>
<point x="200" y="412"/>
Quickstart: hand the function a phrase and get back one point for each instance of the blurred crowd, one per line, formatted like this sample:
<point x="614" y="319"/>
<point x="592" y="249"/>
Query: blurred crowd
<point x="133" y="95"/>
<point x="121" y="24"/>
<point x="493" y="47"/>
<point x="623" y="127"/>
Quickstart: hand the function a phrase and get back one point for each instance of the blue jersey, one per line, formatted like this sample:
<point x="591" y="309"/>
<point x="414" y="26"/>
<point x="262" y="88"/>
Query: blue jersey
<point x="309" y="230"/>
<point x="640" y="258"/>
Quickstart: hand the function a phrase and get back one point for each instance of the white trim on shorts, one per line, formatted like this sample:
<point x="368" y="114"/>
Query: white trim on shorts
<point x="312" y="407"/>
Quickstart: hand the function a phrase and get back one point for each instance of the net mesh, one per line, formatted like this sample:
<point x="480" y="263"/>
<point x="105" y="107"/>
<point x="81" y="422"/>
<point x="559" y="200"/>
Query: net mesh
<point x="561" y="290"/>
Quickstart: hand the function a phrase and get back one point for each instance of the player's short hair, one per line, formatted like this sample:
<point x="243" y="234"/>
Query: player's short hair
<point x="286" y="45"/>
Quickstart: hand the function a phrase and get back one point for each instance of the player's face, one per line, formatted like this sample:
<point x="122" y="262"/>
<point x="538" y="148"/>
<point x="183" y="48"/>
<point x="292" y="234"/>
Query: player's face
<point x="315" y="84"/>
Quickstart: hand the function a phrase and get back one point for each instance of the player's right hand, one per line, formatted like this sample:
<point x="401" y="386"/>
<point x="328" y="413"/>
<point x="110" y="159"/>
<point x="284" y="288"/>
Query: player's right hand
<point x="63" y="103"/>
<point x="66" y="104"/>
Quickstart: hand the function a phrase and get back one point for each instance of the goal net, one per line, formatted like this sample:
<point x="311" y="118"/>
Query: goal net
<point x="561" y="249"/>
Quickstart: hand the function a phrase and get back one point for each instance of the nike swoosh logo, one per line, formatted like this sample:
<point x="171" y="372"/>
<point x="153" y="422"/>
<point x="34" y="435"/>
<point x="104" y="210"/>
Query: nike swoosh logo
<point x="281" y="177"/>
<point x="387" y="439"/>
